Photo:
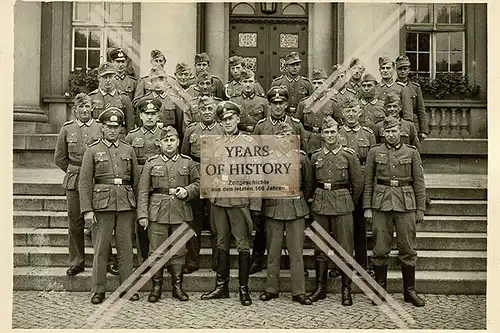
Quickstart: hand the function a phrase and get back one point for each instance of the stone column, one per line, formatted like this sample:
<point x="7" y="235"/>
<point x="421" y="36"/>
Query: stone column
<point x="27" y="32"/>
<point x="320" y="36"/>
<point x="217" y="38"/>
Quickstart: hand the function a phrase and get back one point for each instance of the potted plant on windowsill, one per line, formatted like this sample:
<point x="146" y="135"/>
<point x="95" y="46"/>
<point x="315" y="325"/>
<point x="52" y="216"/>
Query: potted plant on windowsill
<point x="82" y="80"/>
<point x="447" y="86"/>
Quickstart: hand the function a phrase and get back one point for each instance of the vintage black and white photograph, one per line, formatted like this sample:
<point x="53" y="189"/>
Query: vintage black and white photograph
<point x="250" y="165"/>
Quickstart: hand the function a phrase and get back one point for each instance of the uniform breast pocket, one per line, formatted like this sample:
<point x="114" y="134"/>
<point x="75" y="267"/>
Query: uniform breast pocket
<point x="342" y="171"/>
<point x="363" y="147"/>
<point x="101" y="163"/>
<point x="414" y="101"/>
<point x="381" y="161"/>
<point x="127" y="163"/>
<point x="157" y="173"/>
<point x="73" y="147"/>
<point x="184" y="175"/>
<point x="405" y="165"/>
<point x="193" y="138"/>
<point x="168" y="116"/>
<point x="138" y="143"/>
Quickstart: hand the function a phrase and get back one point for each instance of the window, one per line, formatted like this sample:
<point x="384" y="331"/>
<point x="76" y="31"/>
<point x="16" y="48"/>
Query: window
<point x="435" y="39"/>
<point x="98" y="27"/>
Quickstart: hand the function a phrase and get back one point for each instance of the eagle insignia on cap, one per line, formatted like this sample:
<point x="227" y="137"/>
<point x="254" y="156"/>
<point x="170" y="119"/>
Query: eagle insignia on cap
<point x="150" y="106"/>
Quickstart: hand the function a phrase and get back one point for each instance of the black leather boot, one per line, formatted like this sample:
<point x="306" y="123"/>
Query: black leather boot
<point x="321" y="281"/>
<point x="221" y="289"/>
<point x="346" y="290"/>
<point x="157" y="280"/>
<point x="380" y="278"/>
<point x="177" y="292"/>
<point x="410" y="294"/>
<point x="243" y="273"/>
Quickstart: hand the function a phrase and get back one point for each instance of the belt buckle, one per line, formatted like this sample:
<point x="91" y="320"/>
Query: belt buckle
<point x="171" y="191"/>
<point x="315" y="129"/>
<point x="394" y="182"/>
<point x="328" y="186"/>
<point x="117" y="181"/>
<point x="249" y="128"/>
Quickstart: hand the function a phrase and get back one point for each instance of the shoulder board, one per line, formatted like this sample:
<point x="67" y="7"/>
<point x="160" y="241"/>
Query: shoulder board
<point x="192" y="124"/>
<point x="153" y="157"/>
<point x="144" y="77"/>
<point x="262" y="120"/>
<point x="411" y="146"/>
<point x="317" y="150"/>
<point x="349" y="150"/>
<point x="304" y="98"/>
<point x="125" y="142"/>
<point x="350" y="89"/>
<point x="376" y="145"/>
<point x="185" y="156"/>
<point x="131" y="77"/>
<point x="278" y="78"/>
<point x="215" y="77"/>
<point x="121" y="92"/>
<point x="303" y="152"/>
<point x="368" y="129"/>
<point x="95" y="142"/>
<point x="68" y="122"/>
<point x="415" y="83"/>
<point x="134" y="130"/>
<point x="297" y="120"/>
<point x="305" y="78"/>
<point x="217" y="98"/>
<point x="94" y="91"/>
<point x="247" y="137"/>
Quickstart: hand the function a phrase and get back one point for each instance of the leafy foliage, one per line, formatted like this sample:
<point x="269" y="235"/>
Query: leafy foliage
<point x="447" y="85"/>
<point x="81" y="80"/>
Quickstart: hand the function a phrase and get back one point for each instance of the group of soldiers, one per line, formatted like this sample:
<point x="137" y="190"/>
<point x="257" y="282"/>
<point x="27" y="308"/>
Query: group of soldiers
<point x="132" y="163"/>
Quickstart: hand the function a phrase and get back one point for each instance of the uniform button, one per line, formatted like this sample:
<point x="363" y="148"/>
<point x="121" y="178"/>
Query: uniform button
<point x="116" y="175"/>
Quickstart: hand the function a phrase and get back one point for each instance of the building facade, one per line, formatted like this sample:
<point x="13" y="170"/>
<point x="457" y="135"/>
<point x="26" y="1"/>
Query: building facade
<point x="53" y="38"/>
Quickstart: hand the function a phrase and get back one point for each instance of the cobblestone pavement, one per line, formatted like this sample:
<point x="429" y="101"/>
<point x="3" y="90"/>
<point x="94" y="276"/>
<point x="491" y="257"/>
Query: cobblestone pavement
<point x="64" y="310"/>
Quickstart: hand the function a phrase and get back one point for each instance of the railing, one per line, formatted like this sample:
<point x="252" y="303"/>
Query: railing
<point x="457" y="118"/>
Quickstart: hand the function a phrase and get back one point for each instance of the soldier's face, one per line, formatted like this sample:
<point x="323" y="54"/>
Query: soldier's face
<point x="285" y="140"/>
<point x="110" y="132"/>
<point x="183" y="78"/>
<point x="249" y="84"/>
<point x="83" y="111"/>
<point x="278" y="108"/>
<point x="230" y="124"/>
<point x="330" y="135"/>
<point x="403" y="72"/>
<point x="107" y="82"/>
<point x="386" y="71"/>
<point x="160" y="61"/>
<point x="392" y="109"/>
<point x="208" y="113"/>
<point x="393" y="134"/>
<point x="205" y="87"/>
<point x="357" y="72"/>
<point x="317" y="83"/>
<point x="200" y="66"/>
<point x="159" y="83"/>
<point x="120" y="65"/>
<point x="293" y="69"/>
<point x="236" y="71"/>
<point x="351" y="115"/>
<point x="149" y="119"/>
<point x="169" y="145"/>
<point x="368" y="88"/>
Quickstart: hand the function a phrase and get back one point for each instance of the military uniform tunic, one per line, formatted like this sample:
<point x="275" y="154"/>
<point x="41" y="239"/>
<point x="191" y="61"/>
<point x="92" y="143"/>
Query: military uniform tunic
<point x="74" y="138"/>
<point x="298" y="87"/>
<point x="116" y="98"/>
<point x="127" y="84"/>
<point x="356" y="86"/>
<point x="409" y="134"/>
<point x="372" y="112"/>
<point x="268" y="126"/>
<point x="413" y="106"/>
<point x="193" y="114"/>
<point x="394" y="189"/>
<point x="387" y="87"/>
<point x="108" y="176"/>
<point x="337" y="174"/>
<point x="234" y="88"/>
<point x="218" y="89"/>
<point x="253" y="109"/>
<point x="144" y="87"/>
<point x="169" y="113"/>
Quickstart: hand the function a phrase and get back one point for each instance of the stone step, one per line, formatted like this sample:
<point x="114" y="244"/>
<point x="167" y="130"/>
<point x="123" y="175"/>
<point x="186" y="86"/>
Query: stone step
<point x="427" y="260"/>
<point x="432" y="282"/>
<point x="425" y="240"/>
<point x="40" y="202"/>
<point x="458" y="207"/>
<point x="25" y="127"/>
<point x="455" y="164"/>
<point x="40" y="219"/>
<point x="34" y="150"/>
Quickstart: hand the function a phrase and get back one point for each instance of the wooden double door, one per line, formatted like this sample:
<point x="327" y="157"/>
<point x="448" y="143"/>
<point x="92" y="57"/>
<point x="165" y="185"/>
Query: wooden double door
<point x="263" y="46"/>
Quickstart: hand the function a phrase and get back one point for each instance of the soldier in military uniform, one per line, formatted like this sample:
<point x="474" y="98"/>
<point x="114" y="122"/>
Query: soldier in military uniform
<point x="297" y="86"/>
<point x="408" y="132"/>
<point x="107" y="95"/>
<point x="108" y="176"/>
<point x="124" y="82"/>
<point x="170" y="113"/>
<point x="339" y="183"/>
<point x="372" y="107"/>
<point x="184" y="76"/>
<point x="360" y="139"/>
<point x="74" y="138"/>
<point x="145" y="139"/>
<point x="144" y="85"/>
<point x="232" y="216"/>
<point x="253" y="106"/>
<point x="411" y="97"/>
<point x="394" y="196"/>
<point x="287" y="215"/>
<point x="204" y="85"/>
<point x="235" y="86"/>
<point x="313" y="121"/>
<point x="201" y="207"/>
<point x="357" y="70"/>
<point x="168" y="181"/>
<point x="387" y="73"/>
<point x="202" y="64"/>
<point x="278" y="101"/>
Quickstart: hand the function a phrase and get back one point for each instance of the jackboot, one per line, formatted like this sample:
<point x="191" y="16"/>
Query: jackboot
<point x="221" y="289"/>
<point x="346" y="290"/>
<point x="257" y="263"/>
<point x="177" y="292"/>
<point x="243" y="273"/>
<point x="321" y="267"/>
<point x="157" y="280"/>
<point x="381" y="278"/>
<point x="410" y="294"/>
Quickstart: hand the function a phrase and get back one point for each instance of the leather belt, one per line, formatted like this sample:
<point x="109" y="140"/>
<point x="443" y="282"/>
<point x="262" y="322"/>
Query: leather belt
<point x="314" y="129"/>
<point x="332" y="187"/>
<point x="169" y="191"/>
<point x="247" y="128"/>
<point x="394" y="182"/>
<point x="113" y="181"/>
